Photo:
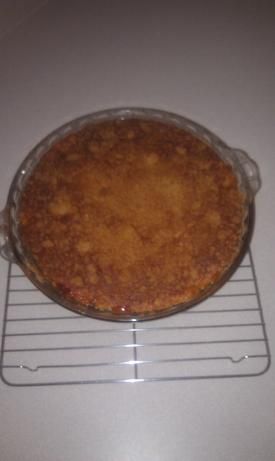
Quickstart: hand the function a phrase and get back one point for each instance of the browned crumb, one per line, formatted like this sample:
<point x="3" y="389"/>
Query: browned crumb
<point x="131" y="216"/>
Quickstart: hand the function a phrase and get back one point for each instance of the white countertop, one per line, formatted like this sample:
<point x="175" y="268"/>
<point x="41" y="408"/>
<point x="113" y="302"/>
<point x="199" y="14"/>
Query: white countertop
<point x="213" y="62"/>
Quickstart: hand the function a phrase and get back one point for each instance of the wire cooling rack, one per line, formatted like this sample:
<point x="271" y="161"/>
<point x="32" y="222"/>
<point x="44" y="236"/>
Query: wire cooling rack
<point x="44" y="344"/>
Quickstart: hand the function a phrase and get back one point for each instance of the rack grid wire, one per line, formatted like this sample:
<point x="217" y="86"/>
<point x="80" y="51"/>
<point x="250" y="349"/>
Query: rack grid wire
<point x="45" y="344"/>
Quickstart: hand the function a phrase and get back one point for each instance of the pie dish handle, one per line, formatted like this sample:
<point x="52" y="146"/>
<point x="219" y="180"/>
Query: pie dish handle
<point x="250" y="169"/>
<point x="5" y="247"/>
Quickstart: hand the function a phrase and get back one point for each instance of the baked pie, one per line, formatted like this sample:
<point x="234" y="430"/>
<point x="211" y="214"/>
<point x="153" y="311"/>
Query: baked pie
<point x="132" y="216"/>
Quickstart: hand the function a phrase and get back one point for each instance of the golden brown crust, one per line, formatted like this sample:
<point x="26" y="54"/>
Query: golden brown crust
<point x="131" y="216"/>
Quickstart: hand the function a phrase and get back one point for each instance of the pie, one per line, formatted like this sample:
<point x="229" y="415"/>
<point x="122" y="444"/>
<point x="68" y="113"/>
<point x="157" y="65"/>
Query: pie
<point x="131" y="216"/>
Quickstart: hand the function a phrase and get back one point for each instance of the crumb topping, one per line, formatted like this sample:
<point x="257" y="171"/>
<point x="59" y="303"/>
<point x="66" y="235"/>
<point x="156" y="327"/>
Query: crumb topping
<point x="131" y="216"/>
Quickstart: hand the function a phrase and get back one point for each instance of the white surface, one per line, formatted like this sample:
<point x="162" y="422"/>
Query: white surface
<point x="213" y="62"/>
<point x="14" y="12"/>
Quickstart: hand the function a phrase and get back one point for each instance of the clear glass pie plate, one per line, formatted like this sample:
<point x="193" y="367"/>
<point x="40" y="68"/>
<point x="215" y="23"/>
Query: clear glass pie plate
<point x="11" y="247"/>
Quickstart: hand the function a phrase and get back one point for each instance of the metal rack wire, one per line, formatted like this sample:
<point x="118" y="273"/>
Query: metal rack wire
<point x="44" y="344"/>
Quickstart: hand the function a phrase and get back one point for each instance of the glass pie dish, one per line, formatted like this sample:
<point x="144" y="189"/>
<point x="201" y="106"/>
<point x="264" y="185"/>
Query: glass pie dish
<point x="14" y="249"/>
